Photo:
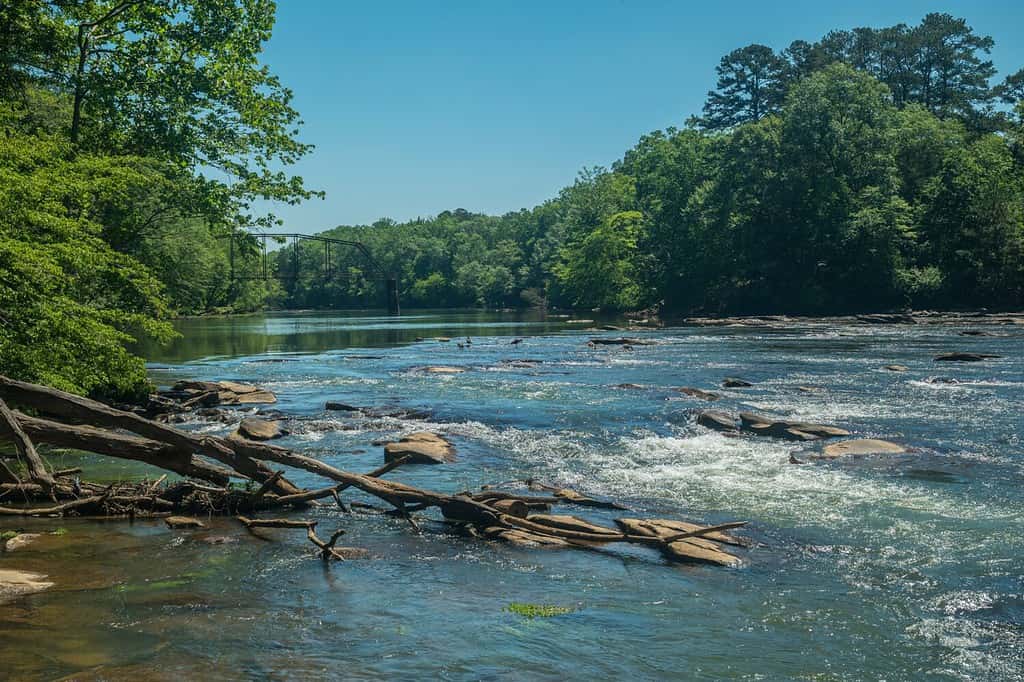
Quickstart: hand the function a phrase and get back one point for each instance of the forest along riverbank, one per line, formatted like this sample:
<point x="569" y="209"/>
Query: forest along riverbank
<point x="896" y="563"/>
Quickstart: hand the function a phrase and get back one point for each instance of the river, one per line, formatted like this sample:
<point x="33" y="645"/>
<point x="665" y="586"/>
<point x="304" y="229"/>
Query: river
<point x="904" y="567"/>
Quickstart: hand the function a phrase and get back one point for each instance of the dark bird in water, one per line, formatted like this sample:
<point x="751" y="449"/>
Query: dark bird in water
<point x="469" y="341"/>
<point x="516" y="342"/>
<point x="460" y="345"/>
<point x="591" y="344"/>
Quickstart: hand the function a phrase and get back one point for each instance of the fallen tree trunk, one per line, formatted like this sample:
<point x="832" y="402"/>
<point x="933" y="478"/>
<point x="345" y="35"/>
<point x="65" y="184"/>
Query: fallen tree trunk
<point x="163" y="455"/>
<point x="52" y="401"/>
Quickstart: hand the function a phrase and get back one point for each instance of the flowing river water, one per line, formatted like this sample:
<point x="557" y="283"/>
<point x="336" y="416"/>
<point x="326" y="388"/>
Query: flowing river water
<point x="905" y="567"/>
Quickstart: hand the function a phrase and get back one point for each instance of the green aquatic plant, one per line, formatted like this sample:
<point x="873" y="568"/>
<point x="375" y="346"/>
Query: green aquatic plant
<point x="7" y="535"/>
<point x="537" y="610"/>
<point x="61" y="531"/>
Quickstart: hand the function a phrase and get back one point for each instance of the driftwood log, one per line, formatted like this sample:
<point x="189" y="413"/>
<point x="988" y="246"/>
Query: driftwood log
<point x="488" y="513"/>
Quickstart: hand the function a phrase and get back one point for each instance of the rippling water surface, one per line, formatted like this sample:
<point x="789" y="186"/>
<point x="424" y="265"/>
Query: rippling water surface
<point x="902" y="567"/>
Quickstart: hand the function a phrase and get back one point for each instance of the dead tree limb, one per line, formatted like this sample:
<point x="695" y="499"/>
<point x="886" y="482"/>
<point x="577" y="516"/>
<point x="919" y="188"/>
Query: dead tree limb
<point x="37" y="472"/>
<point x="57" y="509"/>
<point x="70" y="406"/>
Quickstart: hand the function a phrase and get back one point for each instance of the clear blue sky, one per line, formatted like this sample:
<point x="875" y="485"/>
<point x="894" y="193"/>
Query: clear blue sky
<point x="418" y="107"/>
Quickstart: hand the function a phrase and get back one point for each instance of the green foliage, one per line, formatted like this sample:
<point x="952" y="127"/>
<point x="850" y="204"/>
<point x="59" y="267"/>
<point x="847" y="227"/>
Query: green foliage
<point x="751" y="84"/>
<point x="123" y="121"/>
<point x="940" y="64"/>
<point x="537" y="610"/>
<point x="70" y="302"/>
<point x="175" y="79"/>
<point x="600" y="270"/>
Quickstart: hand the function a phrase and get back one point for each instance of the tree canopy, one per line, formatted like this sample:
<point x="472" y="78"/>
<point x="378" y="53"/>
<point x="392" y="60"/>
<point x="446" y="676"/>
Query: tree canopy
<point x="137" y="134"/>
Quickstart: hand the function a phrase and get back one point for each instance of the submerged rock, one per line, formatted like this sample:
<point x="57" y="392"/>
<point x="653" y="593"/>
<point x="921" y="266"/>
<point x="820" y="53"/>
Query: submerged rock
<point x="336" y="406"/>
<point x="422" y="447"/>
<point x="965" y="357"/>
<point x="862" y="446"/>
<point x="439" y="369"/>
<point x="733" y="382"/>
<point x="698" y="393"/>
<point x="14" y="583"/>
<point x="255" y="428"/>
<point x="897" y="368"/>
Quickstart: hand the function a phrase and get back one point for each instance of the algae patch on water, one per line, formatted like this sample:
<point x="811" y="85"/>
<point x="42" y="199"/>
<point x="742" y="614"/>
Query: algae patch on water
<point x="538" y="610"/>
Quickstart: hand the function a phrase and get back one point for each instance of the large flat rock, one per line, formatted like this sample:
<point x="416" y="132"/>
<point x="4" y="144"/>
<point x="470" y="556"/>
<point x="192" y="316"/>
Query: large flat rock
<point x="664" y="528"/>
<point x="422" y="447"/>
<point x="255" y="428"/>
<point x="862" y="446"/>
<point x="791" y="430"/>
<point x="14" y="584"/>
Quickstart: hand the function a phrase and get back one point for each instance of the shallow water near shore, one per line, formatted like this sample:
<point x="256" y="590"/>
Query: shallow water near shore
<point x="902" y="567"/>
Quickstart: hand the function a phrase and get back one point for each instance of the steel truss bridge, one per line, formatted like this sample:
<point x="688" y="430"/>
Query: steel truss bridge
<point x="333" y="249"/>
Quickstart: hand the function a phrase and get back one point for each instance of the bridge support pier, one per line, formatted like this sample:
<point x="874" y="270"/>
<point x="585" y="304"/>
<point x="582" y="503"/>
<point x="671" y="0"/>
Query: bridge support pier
<point x="393" y="308"/>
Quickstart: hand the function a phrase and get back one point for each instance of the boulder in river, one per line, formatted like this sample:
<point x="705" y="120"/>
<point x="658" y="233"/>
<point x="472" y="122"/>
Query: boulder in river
<point x="15" y="583"/>
<point x="790" y="430"/>
<point x="573" y="523"/>
<point x="698" y="393"/>
<point x="20" y="540"/>
<point x="702" y="549"/>
<point x="524" y="538"/>
<point x="255" y="428"/>
<point x="862" y="446"/>
<point x="440" y="369"/>
<point x="717" y="420"/>
<point x="887" y="318"/>
<point x="209" y="393"/>
<point x="422" y="447"/>
<point x="621" y="341"/>
<point x="733" y="382"/>
<point x="183" y="522"/>
<point x="965" y="357"/>
<point x="335" y="406"/>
